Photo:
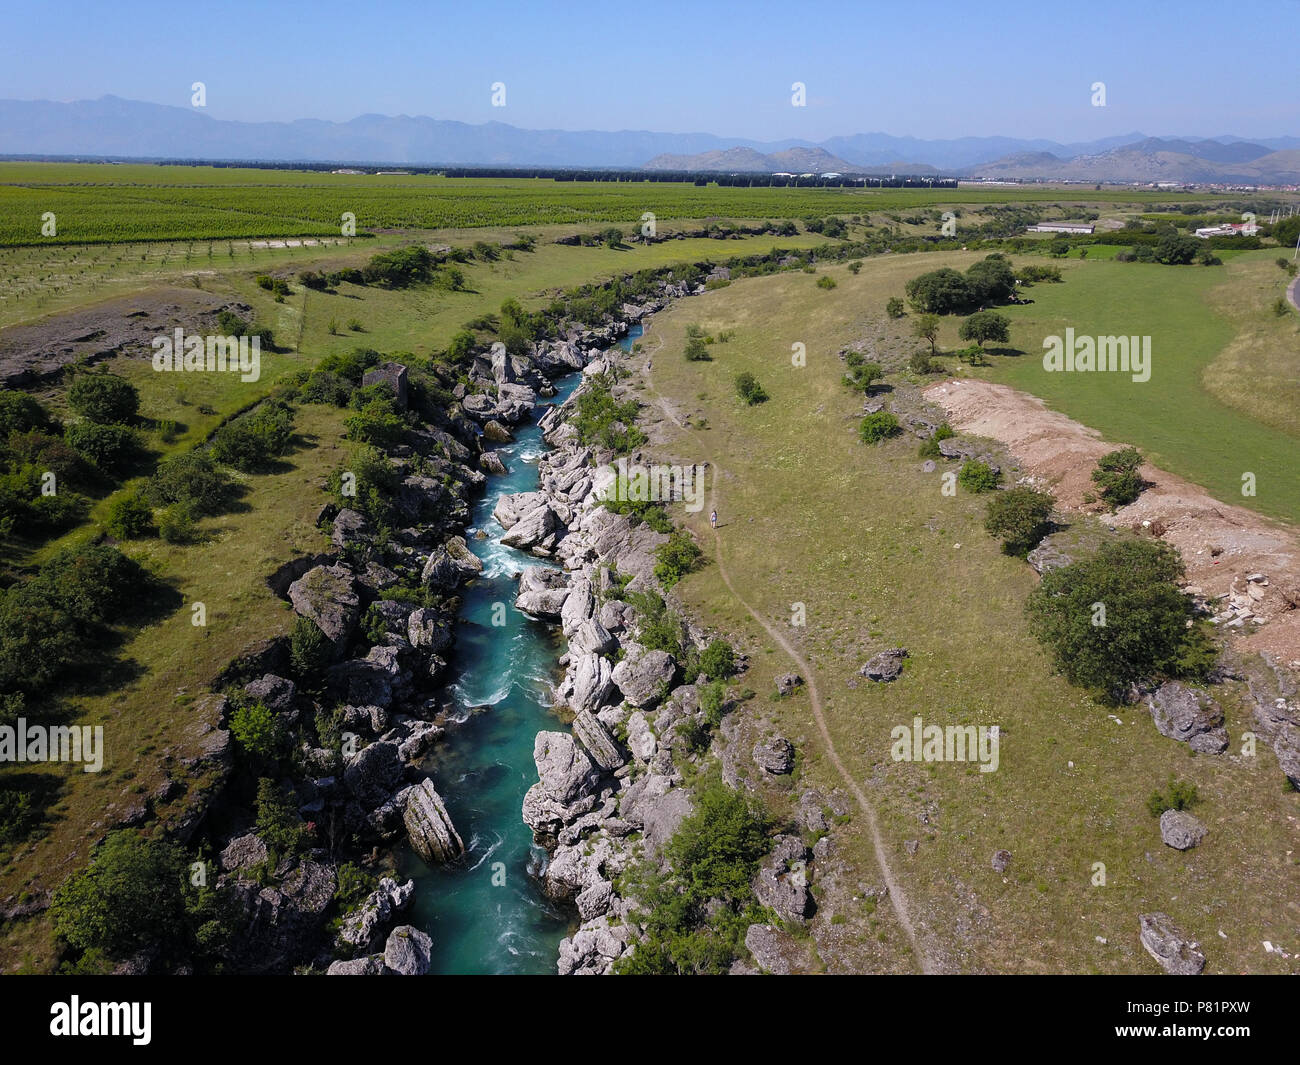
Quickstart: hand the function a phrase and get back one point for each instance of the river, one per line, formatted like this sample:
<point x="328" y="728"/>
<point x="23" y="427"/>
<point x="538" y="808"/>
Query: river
<point x="485" y="912"/>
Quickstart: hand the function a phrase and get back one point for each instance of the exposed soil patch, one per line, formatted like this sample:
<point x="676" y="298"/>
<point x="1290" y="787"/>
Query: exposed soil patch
<point x="34" y="355"/>
<point x="1222" y="545"/>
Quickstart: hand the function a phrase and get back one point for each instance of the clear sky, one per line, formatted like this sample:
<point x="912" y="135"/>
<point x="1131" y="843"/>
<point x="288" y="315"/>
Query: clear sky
<point x="925" y="69"/>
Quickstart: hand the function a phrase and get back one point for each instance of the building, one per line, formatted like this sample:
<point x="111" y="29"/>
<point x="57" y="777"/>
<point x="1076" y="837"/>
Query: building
<point x="1062" y="227"/>
<point x="1231" y="229"/>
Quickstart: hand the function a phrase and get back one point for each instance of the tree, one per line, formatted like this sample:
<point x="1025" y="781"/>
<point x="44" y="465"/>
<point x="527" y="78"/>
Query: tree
<point x="991" y="280"/>
<point x="894" y="307"/>
<point x="877" y="427"/>
<point x="1115" y="618"/>
<point x="110" y="448"/>
<point x="1176" y="251"/>
<point x="942" y="291"/>
<point x="1020" y="517"/>
<point x="749" y="390"/>
<point x="1117" y="476"/>
<point x="103" y="397"/>
<point x="129" y="517"/>
<point x="985" y="326"/>
<point x="926" y="327"/>
<point x="130" y="897"/>
<point x="257" y="732"/>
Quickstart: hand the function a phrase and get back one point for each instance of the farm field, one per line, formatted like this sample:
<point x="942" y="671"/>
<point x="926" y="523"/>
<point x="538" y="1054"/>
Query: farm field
<point x="97" y="203"/>
<point x="865" y="540"/>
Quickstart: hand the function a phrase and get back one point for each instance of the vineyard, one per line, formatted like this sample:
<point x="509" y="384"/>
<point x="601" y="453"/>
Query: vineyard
<point x="108" y="203"/>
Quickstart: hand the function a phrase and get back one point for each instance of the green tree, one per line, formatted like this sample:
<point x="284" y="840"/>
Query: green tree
<point x="749" y="390"/>
<point x="894" y="307"/>
<point x="985" y="326"/>
<point x="926" y="327"/>
<point x="1116" y="618"/>
<point x="878" y="426"/>
<point x="978" y="477"/>
<point x="103" y="397"/>
<point x="1117" y="476"/>
<point x="1020" y="517"/>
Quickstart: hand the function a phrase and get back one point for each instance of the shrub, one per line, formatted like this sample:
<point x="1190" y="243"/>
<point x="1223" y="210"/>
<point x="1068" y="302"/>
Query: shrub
<point x="1116" y="476"/>
<point x="176" y="524"/>
<point x="894" y="307"/>
<point x="678" y="557"/>
<point x="978" y="477"/>
<point x="1020" y="517"/>
<point x="600" y="420"/>
<point x="324" y="386"/>
<point x="1178" y="795"/>
<point x="129" y="517"/>
<point x="825" y="282"/>
<point x="376" y="421"/>
<point x="308" y="649"/>
<point x="110" y="448"/>
<point x="129" y="898"/>
<point x="278" y="823"/>
<point x="103" y="397"/>
<point x="250" y="442"/>
<point x="697" y="350"/>
<point x="1281" y="308"/>
<point x="863" y="375"/>
<point x="190" y="478"/>
<point x="749" y="390"/>
<point x="921" y="363"/>
<point x="257" y="732"/>
<point x="1145" y="621"/>
<point x="877" y="427"/>
<point x="718" y="660"/>
<point x="21" y="413"/>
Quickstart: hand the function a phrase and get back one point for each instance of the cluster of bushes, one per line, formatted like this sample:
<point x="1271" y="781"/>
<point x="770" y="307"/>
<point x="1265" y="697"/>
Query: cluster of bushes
<point x="749" y="390"/>
<point x="1173" y="250"/>
<point x="696" y="914"/>
<point x="946" y="291"/>
<point x="56" y="622"/>
<point x="602" y="421"/>
<point x="638" y="511"/>
<point x="45" y="466"/>
<point x="697" y="344"/>
<point x="678" y="557"/>
<point x="231" y="325"/>
<point x="861" y="375"/>
<point x="372" y="488"/>
<point x="251" y="441"/>
<point x="277" y="285"/>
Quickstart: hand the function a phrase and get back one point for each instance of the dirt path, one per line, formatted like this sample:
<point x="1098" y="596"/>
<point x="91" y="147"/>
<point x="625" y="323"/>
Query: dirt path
<point x="897" y="898"/>
<point x="1293" y="293"/>
<point x="1221" y="545"/>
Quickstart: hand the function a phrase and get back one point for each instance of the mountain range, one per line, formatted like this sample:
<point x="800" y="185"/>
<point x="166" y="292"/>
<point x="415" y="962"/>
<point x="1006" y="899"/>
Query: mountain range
<point x="112" y="127"/>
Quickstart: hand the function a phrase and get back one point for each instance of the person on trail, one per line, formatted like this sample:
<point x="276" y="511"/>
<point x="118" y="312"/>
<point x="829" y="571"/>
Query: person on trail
<point x="713" y="519"/>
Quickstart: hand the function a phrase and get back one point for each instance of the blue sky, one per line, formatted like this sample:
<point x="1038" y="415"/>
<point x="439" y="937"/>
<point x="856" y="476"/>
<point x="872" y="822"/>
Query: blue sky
<point x="922" y="69"/>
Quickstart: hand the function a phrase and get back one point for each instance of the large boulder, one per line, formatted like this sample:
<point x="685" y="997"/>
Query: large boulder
<point x="510" y="508"/>
<point x="538" y="530"/>
<point x="782" y="879"/>
<point x="565" y="787"/>
<point x="589" y="682"/>
<point x="451" y="564"/>
<point x="643" y="676"/>
<point x="407" y="952"/>
<point x="364" y="927"/>
<point x="1189" y="716"/>
<point x="543" y="592"/>
<point x="374" y="773"/>
<point x="429" y="630"/>
<point x="774" y="755"/>
<point x="428" y="825"/>
<point x="1166" y="942"/>
<point x="328" y="596"/>
<point x="1180" y="830"/>
<point x="885" y="666"/>
<point x="597" y="741"/>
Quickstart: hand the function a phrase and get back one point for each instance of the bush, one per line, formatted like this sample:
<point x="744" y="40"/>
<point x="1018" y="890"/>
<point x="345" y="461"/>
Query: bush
<point x="877" y="427"/>
<point x="985" y="326"/>
<point x="863" y="375"/>
<point x="1281" y="308"/>
<point x="250" y="442"/>
<point x="176" y="524"/>
<point x="978" y="477"/>
<point x="894" y="307"/>
<point x="601" y="421"/>
<point x="921" y="363"/>
<point x="1020" y="517"/>
<point x="103" y="397"/>
<point x="190" y="478"/>
<point x="1117" y="478"/>
<point x="131" y="897"/>
<point x="376" y="422"/>
<point x="1145" y="632"/>
<point x="717" y="661"/>
<point x="827" y="283"/>
<point x="129" y="517"/>
<point x="697" y="350"/>
<point x="324" y="386"/>
<point x="278" y="823"/>
<point x="309" y="649"/>
<point x="1178" y="795"/>
<point x="678" y="557"/>
<point x="110" y="448"/>
<point x="21" y="413"/>
<point x="749" y="390"/>
<point x="256" y="731"/>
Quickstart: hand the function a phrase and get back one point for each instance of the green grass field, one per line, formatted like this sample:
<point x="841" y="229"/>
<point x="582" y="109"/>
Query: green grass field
<point x="114" y="203"/>
<point x="881" y="558"/>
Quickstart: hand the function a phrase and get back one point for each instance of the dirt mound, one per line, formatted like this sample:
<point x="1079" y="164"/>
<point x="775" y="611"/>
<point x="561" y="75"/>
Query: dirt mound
<point x="34" y="355"/>
<point x="1222" y="545"/>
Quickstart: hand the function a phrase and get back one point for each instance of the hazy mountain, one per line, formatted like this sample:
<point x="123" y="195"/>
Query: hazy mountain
<point x="117" y="128"/>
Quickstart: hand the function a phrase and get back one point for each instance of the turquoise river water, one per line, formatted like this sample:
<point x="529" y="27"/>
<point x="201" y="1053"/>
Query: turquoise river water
<point x="485" y="912"/>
